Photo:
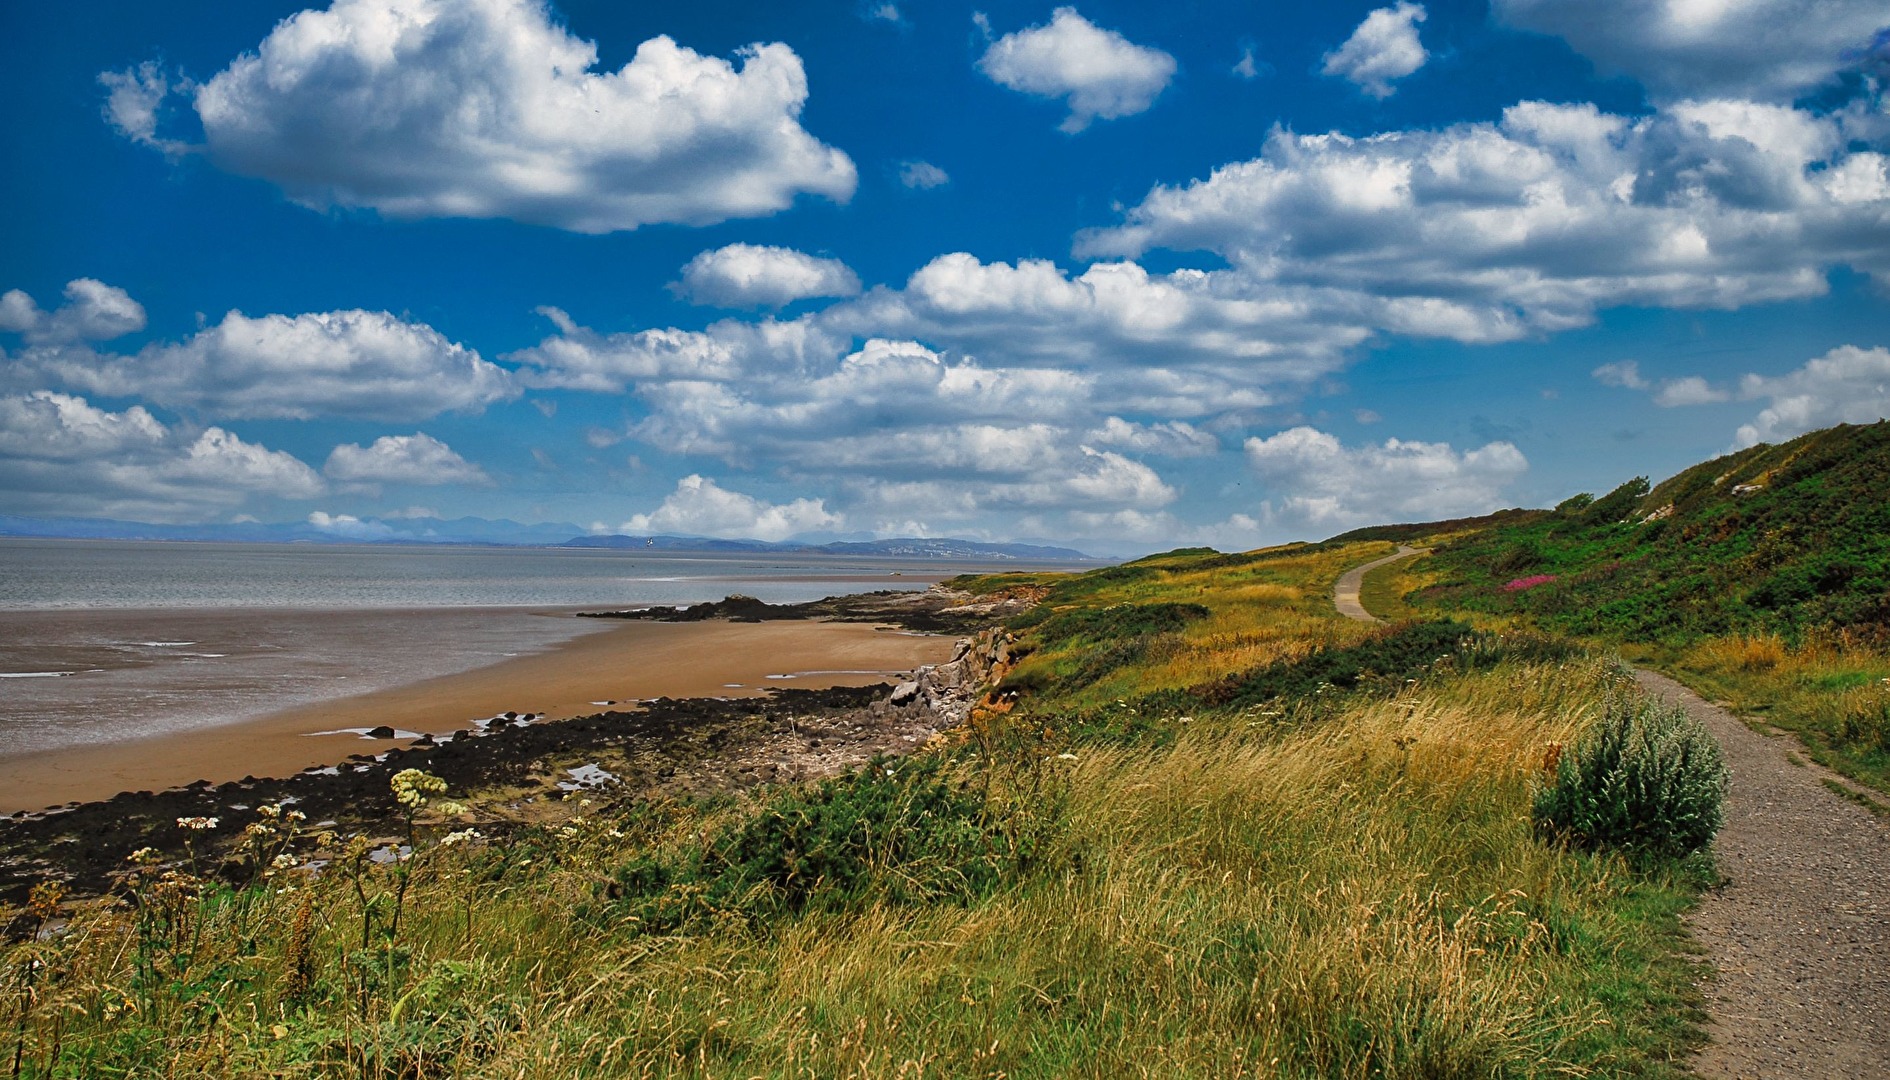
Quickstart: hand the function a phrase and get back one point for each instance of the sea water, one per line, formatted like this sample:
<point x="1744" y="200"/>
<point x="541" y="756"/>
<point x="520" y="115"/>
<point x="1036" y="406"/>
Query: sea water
<point x="106" y="640"/>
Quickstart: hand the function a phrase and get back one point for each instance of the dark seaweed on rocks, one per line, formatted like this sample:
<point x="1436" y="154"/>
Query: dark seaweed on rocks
<point x="86" y="845"/>
<point x="937" y="610"/>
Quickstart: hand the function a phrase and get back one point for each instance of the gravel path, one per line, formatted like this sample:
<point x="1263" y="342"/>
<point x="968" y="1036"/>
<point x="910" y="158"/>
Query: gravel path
<point x="1800" y="932"/>
<point x="1345" y="593"/>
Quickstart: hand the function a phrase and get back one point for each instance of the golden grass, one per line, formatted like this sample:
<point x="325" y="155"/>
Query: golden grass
<point x="1829" y="689"/>
<point x="1751" y="652"/>
<point x="1358" y="899"/>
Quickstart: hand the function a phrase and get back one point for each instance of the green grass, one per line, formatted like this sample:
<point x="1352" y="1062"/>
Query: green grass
<point x="1786" y="539"/>
<point x="1350" y="888"/>
<point x="1832" y="697"/>
<point x="1761" y="578"/>
<point x="1383" y="592"/>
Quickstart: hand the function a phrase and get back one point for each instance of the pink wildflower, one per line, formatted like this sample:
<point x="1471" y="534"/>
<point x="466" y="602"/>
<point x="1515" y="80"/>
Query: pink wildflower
<point x="1522" y="583"/>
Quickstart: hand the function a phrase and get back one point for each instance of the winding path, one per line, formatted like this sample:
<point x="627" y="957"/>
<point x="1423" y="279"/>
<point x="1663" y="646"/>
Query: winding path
<point x="1799" y="928"/>
<point x="1345" y="593"/>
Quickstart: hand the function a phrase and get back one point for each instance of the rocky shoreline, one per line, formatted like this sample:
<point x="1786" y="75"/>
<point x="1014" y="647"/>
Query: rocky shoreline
<point x="520" y="768"/>
<point x="937" y="610"/>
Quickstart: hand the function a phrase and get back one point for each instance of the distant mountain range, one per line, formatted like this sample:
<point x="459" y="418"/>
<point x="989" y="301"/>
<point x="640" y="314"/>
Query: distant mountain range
<point x="902" y="548"/>
<point x="471" y="530"/>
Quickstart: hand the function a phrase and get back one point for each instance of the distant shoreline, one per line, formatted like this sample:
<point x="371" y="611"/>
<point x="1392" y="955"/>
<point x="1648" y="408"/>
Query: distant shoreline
<point x="624" y="662"/>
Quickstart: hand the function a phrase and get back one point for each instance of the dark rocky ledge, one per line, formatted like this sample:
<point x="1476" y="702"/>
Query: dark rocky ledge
<point x="937" y="610"/>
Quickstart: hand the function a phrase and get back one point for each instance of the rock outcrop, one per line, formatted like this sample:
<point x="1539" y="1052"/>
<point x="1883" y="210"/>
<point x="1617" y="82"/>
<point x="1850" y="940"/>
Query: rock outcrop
<point x="950" y="691"/>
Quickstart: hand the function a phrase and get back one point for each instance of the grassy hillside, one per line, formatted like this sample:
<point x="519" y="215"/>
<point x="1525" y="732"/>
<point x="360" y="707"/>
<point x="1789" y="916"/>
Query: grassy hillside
<point x="1791" y="539"/>
<point x="1762" y="577"/>
<point x="1205" y="829"/>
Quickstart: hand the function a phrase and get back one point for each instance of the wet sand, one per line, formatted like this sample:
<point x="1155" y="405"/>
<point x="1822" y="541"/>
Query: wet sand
<point x="625" y="662"/>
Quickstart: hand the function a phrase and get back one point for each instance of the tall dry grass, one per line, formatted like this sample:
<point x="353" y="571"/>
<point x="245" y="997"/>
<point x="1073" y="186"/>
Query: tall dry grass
<point x="1832" y="689"/>
<point x="1361" y="898"/>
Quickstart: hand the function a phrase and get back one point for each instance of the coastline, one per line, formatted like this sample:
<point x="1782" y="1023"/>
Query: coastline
<point x="625" y="662"/>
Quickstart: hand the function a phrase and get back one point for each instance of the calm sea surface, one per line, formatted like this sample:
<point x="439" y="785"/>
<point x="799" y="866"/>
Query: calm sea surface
<point x="107" y="640"/>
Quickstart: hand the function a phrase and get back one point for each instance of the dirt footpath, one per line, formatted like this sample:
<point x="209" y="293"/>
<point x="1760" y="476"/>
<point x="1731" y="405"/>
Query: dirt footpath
<point x="1345" y="592"/>
<point x="1800" y="933"/>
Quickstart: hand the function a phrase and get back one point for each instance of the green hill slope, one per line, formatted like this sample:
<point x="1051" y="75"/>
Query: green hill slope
<point x="1785" y="539"/>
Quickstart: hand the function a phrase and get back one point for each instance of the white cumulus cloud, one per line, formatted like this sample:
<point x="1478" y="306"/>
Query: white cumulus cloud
<point x="93" y="311"/>
<point x="1384" y="49"/>
<point x="1848" y="385"/>
<point x="1099" y="73"/>
<point x="1324" y="484"/>
<point x="59" y="454"/>
<point x="1773" y="50"/>
<point x="1689" y="390"/>
<point x="752" y="275"/>
<point x="579" y="358"/>
<point x="367" y="364"/>
<point x="133" y="100"/>
<point x="701" y="507"/>
<point x="490" y="109"/>
<point x="922" y="175"/>
<point x="1493" y="231"/>
<point x="1174" y="438"/>
<point x="1115" y="315"/>
<point x="1622" y="373"/>
<point x="401" y="459"/>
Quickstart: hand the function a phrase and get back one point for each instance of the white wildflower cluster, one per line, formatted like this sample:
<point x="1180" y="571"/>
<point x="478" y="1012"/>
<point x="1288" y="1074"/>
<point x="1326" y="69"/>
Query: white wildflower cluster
<point x="144" y="856"/>
<point x="275" y="812"/>
<point x="413" y="789"/>
<point x="462" y="836"/>
<point x="197" y="824"/>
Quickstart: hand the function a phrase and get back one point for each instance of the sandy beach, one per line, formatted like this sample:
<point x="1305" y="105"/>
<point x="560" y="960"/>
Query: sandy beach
<point x="629" y="661"/>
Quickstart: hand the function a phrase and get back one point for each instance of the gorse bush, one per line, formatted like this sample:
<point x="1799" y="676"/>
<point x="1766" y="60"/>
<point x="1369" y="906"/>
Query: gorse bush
<point x="1647" y="780"/>
<point x="1386" y="659"/>
<point x="895" y="831"/>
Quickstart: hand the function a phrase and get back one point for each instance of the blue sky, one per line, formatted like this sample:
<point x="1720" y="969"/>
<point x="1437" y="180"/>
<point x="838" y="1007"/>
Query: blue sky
<point x="1119" y="274"/>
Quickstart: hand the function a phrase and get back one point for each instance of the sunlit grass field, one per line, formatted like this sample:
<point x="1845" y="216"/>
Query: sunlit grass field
<point x="1341" y="887"/>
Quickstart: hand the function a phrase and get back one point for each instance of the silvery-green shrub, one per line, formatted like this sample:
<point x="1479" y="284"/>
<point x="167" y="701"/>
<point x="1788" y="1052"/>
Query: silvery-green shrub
<point x="1647" y="780"/>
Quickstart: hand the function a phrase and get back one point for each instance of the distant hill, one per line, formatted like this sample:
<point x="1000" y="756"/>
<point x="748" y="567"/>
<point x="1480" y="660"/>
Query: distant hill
<point x="1782" y="538"/>
<point x="471" y="530"/>
<point x="1419" y="529"/>
<point x="903" y="548"/>
<point x="466" y="530"/>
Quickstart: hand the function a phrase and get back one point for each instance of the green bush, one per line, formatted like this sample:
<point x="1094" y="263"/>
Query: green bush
<point x="1117" y="622"/>
<point x="904" y="831"/>
<point x="1647" y="780"/>
<point x="1387" y="658"/>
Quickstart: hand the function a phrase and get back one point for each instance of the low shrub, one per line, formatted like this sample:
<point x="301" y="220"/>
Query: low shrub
<point x="1117" y="622"/>
<point x="895" y="831"/>
<point x="1648" y="780"/>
